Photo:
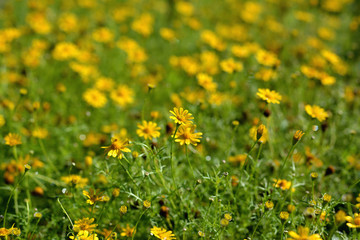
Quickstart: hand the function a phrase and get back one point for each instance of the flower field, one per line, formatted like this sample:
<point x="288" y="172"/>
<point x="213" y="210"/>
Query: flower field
<point x="180" y="119"/>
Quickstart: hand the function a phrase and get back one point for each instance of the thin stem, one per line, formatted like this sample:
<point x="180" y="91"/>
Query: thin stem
<point x="132" y="179"/>
<point x="187" y="158"/>
<point x="132" y="238"/>
<point x="62" y="207"/>
<point x="11" y="194"/>
<point x="171" y="155"/>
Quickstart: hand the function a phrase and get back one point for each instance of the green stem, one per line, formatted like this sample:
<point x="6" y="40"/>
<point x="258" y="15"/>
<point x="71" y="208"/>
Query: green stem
<point x="171" y="156"/>
<point x="11" y="194"/>
<point x="187" y="158"/>
<point x="132" y="238"/>
<point x="62" y="207"/>
<point x="132" y="179"/>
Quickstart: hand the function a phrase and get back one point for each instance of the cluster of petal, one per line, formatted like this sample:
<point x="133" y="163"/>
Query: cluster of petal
<point x="162" y="233"/>
<point x="316" y="112"/>
<point x="186" y="135"/>
<point x="148" y="130"/>
<point x="117" y="147"/>
<point x="181" y="116"/>
<point x="303" y="234"/>
<point x="269" y="96"/>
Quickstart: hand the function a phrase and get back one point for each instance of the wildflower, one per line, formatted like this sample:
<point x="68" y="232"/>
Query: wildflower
<point x="253" y="134"/>
<point x="186" y="135"/>
<point x="340" y="216"/>
<point x="84" y="224"/>
<point x="117" y="147"/>
<point x="282" y="183"/>
<point x="128" y="231"/>
<point x="122" y="95"/>
<point x="260" y="131"/>
<point x="224" y="222"/>
<point x="162" y="233"/>
<point x="12" y="139"/>
<point x="85" y="235"/>
<point x="94" y="98"/>
<point x="269" y="96"/>
<point x="240" y="158"/>
<point x="269" y="204"/>
<point x="314" y="175"/>
<point x="201" y="234"/>
<point x="11" y="231"/>
<point x="353" y="222"/>
<point x="103" y="35"/>
<point x="229" y="65"/>
<point x="228" y="216"/>
<point x="147" y="204"/>
<point x="284" y="215"/>
<point x="95" y="197"/>
<point x="327" y="197"/>
<point x="316" y="112"/>
<point x="108" y="234"/>
<point x="123" y="209"/>
<point x="267" y="58"/>
<point x="75" y="180"/>
<point x="65" y="51"/>
<point x="303" y="234"/>
<point x="291" y="208"/>
<point x="206" y="82"/>
<point x="167" y="34"/>
<point x="38" y="215"/>
<point x="148" y="130"/>
<point x="41" y="133"/>
<point x="297" y="136"/>
<point x="116" y="192"/>
<point x="181" y="116"/>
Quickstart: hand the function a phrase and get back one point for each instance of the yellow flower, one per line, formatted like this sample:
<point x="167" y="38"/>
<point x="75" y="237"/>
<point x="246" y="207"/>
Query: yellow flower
<point x="147" y="204"/>
<point x="253" y="134"/>
<point x="84" y="224"/>
<point x="186" y="135"/>
<point x="103" y="35"/>
<point x="123" y="209"/>
<point x="303" y="234"/>
<point x="6" y="232"/>
<point x="284" y="215"/>
<point x="267" y="58"/>
<point x="181" y="116"/>
<point x="95" y="197"/>
<point x="117" y="147"/>
<point x="128" y="231"/>
<point x="240" y="158"/>
<point x="206" y="82"/>
<point x="85" y="235"/>
<point x="316" y="112"/>
<point x="12" y="139"/>
<point x="229" y="65"/>
<point x="95" y="98"/>
<point x="148" y="130"/>
<point x="297" y="136"/>
<point x="353" y="222"/>
<point x="167" y="34"/>
<point x="75" y="180"/>
<point x="162" y="233"/>
<point x="65" y="51"/>
<point x="122" y="95"/>
<point x="269" y="204"/>
<point x="40" y="133"/>
<point x="340" y="216"/>
<point x="282" y="183"/>
<point x="108" y="234"/>
<point x="269" y="96"/>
